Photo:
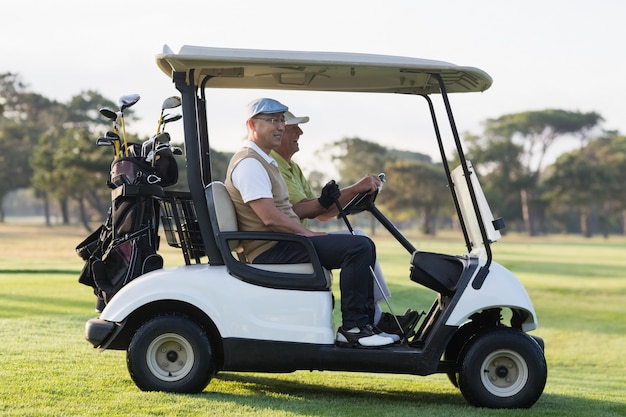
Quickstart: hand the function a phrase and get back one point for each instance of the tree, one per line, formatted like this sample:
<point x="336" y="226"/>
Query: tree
<point x="25" y="117"/>
<point x="533" y="133"/>
<point x="66" y="162"/>
<point x="576" y="183"/>
<point x="355" y="157"/>
<point x="68" y="165"/>
<point x="83" y="109"/>
<point x="416" y="189"/>
<point x="589" y="180"/>
<point x="219" y="164"/>
<point x="501" y="173"/>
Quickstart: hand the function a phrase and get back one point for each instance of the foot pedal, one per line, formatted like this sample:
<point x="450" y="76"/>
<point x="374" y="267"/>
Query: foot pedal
<point x="411" y="330"/>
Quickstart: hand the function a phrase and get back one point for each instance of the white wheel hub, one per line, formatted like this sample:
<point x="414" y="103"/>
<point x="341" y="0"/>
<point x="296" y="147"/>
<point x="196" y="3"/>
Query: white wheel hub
<point x="170" y="357"/>
<point x="504" y="373"/>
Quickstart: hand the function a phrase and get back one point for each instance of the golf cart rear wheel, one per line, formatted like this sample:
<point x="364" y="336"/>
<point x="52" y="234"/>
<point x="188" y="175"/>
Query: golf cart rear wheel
<point x="170" y="353"/>
<point x="502" y="368"/>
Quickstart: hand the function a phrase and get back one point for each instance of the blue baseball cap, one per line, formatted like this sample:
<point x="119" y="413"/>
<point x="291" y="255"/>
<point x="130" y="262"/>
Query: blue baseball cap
<point x="265" y="105"/>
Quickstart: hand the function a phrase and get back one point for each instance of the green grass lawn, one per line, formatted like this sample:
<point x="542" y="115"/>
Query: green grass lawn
<point x="578" y="287"/>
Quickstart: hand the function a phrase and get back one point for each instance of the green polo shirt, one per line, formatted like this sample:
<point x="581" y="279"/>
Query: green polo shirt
<point x="297" y="184"/>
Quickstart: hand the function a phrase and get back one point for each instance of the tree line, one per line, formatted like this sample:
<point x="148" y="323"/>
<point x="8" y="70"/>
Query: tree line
<point x="581" y="192"/>
<point x="49" y="147"/>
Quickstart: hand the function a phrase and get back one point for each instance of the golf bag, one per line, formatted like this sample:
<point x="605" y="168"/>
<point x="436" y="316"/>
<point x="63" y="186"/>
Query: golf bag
<point x="126" y="245"/>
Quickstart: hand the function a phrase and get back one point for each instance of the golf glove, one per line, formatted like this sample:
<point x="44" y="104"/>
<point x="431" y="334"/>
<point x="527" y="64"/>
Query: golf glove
<point x="330" y="193"/>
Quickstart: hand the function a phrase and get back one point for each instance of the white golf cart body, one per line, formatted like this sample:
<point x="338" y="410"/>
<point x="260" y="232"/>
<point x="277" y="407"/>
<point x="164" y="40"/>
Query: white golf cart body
<point x="257" y="319"/>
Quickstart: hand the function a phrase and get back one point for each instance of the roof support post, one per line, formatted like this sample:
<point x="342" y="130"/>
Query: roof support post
<point x="459" y="148"/>
<point x="195" y="141"/>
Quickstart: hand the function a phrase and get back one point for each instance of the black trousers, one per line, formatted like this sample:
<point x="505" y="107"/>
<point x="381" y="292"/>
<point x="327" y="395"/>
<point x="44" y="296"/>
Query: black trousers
<point x="354" y="255"/>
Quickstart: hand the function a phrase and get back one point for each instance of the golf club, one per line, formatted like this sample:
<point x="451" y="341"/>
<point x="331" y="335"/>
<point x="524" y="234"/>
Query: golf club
<point x="110" y="138"/>
<point x="146" y="145"/>
<point x="114" y="137"/>
<point x="154" y="155"/>
<point x="104" y="141"/>
<point x="126" y="102"/>
<point x="169" y="103"/>
<point x="168" y="118"/>
<point x="112" y="115"/>
<point x="164" y="139"/>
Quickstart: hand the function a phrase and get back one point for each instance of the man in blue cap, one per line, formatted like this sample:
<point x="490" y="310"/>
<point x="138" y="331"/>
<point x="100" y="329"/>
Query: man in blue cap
<point x="261" y="200"/>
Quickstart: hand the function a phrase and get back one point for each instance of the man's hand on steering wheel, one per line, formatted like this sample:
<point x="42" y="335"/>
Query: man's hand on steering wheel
<point x="368" y="188"/>
<point x="368" y="184"/>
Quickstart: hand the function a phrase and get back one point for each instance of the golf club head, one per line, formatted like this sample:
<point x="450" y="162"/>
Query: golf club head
<point x="108" y="113"/>
<point x="162" y="146"/>
<point x="147" y="145"/>
<point x="112" y="135"/>
<point x="171" y="102"/>
<point x="168" y="118"/>
<point x="128" y="100"/>
<point x="104" y="141"/>
<point x="162" y="138"/>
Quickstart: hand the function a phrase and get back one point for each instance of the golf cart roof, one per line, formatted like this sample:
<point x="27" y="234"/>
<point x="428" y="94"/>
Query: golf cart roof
<point x="319" y="71"/>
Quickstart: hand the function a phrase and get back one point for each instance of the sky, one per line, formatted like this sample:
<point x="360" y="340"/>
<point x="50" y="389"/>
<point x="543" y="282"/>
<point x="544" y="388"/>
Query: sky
<point x="565" y="54"/>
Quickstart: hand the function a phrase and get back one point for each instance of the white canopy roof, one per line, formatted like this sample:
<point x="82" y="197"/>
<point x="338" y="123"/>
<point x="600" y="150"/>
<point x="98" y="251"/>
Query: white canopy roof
<point x="319" y="71"/>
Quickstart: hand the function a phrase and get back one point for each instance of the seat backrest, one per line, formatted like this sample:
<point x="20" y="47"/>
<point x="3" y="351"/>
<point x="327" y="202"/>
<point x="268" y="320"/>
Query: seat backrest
<point x="223" y="219"/>
<point x="222" y="212"/>
<point x="223" y="207"/>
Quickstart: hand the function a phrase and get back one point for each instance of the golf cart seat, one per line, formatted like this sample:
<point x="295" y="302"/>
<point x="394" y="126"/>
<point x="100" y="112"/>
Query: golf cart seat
<point x="301" y="276"/>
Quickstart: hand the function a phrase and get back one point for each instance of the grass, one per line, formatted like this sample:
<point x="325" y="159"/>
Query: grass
<point x="578" y="287"/>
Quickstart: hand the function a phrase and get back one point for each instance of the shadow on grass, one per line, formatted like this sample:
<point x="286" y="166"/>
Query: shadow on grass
<point x="324" y="399"/>
<point x="261" y="386"/>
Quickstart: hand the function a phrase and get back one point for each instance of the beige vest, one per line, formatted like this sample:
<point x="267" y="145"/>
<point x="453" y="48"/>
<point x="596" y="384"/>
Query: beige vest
<point x="247" y="220"/>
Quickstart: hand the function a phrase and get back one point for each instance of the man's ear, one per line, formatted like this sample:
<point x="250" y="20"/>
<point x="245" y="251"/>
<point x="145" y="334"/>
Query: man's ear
<point x="250" y="124"/>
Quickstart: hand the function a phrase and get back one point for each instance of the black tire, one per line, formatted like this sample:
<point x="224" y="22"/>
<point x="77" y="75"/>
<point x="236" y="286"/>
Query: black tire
<point x="170" y="353"/>
<point x="455" y="346"/>
<point x="502" y="368"/>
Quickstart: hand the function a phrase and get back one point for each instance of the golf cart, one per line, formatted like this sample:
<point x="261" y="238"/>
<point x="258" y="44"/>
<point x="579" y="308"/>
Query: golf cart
<point x="182" y="325"/>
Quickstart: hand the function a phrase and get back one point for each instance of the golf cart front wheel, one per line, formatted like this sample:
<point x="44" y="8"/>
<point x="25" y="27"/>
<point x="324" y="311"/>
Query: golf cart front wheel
<point x="502" y="368"/>
<point x="170" y="353"/>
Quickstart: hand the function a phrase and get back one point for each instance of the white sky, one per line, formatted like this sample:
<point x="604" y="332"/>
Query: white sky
<point x="565" y="54"/>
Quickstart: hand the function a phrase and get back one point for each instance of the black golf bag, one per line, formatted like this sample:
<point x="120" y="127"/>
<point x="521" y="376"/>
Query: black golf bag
<point x="126" y="245"/>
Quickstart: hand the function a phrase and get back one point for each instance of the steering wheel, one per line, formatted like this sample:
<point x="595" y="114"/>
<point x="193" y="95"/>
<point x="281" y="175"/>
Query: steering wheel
<point x="360" y="202"/>
<point x="363" y="200"/>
